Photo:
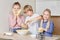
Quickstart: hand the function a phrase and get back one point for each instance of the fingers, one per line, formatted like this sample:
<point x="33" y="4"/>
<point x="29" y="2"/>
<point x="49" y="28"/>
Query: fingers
<point x="40" y="30"/>
<point x="16" y="13"/>
<point x="19" y="11"/>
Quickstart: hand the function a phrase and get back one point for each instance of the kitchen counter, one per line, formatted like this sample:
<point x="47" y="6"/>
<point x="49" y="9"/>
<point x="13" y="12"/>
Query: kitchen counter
<point x="16" y="36"/>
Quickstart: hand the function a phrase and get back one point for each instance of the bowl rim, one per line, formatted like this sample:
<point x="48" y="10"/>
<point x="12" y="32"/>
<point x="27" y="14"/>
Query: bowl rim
<point x="22" y="30"/>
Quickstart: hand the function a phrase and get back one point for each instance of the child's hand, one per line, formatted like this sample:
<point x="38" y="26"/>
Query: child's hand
<point x="45" y="29"/>
<point x="40" y="29"/>
<point x="18" y="12"/>
<point x="23" y="25"/>
<point x="14" y="12"/>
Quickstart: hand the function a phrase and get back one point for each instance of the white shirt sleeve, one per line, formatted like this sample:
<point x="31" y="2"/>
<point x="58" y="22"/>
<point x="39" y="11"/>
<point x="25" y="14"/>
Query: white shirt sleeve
<point x="26" y="19"/>
<point x="36" y="15"/>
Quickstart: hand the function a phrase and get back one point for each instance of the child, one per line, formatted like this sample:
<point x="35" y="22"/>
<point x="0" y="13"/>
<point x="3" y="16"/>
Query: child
<point x="31" y="20"/>
<point x="46" y="25"/>
<point x="15" y="18"/>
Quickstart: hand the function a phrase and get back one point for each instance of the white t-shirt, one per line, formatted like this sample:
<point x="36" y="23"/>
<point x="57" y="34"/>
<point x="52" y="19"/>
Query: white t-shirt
<point x="33" y="26"/>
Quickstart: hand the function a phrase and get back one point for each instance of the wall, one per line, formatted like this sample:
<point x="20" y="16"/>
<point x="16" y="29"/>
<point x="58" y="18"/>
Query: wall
<point x="53" y="5"/>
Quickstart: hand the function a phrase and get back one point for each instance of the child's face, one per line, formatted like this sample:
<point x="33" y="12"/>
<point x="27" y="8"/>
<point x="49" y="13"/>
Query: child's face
<point x="16" y="8"/>
<point x="46" y="15"/>
<point x="29" y="13"/>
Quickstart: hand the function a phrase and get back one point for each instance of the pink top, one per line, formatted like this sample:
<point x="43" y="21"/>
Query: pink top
<point x="13" y="23"/>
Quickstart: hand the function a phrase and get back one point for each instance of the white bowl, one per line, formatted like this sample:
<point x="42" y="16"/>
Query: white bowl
<point x="22" y="32"/>
<point x="33" y="36"/>
<point x="8" y="33"/>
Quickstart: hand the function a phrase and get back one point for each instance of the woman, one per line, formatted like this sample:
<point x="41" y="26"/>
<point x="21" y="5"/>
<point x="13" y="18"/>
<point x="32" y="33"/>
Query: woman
<point x="46" y="25"/>
<point x="15" y="18"/>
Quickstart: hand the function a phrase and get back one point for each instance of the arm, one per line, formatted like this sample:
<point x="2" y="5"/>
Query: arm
<point x="23" y="25"/>
<point x="36" y="18"/>
<point x="12" y="21"/>
<point x="20" y="20"/>
<point x="51" y="28"/>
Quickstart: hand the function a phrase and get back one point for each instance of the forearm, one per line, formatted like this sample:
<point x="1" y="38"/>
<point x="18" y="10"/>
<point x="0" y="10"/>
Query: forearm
<point x="19" y="24"/>
<point x="23" y="25"/>
<point x="35" y="19"/>
<point x="12" y="24"/>
<point x="38" y="18"/>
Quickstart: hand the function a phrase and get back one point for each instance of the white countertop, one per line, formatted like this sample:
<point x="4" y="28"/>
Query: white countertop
<point x="25" y="37"/>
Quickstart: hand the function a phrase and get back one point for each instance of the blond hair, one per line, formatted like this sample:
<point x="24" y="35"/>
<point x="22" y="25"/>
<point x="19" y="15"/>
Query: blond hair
<point x="48" y="10"/>
<point x="48" y="23"/>
<point x="27" y="8"/>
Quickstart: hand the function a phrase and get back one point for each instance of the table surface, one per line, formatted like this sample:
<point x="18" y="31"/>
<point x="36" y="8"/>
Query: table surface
<point x="16" y="36"/>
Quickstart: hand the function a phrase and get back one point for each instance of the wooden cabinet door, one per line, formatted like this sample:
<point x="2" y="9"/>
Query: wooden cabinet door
<point x="56" y="20"/>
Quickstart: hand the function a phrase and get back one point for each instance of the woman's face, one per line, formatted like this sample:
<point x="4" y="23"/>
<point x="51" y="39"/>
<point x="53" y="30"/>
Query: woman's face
<point x="46" y="15"/>
<point x="16" y="8"/>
